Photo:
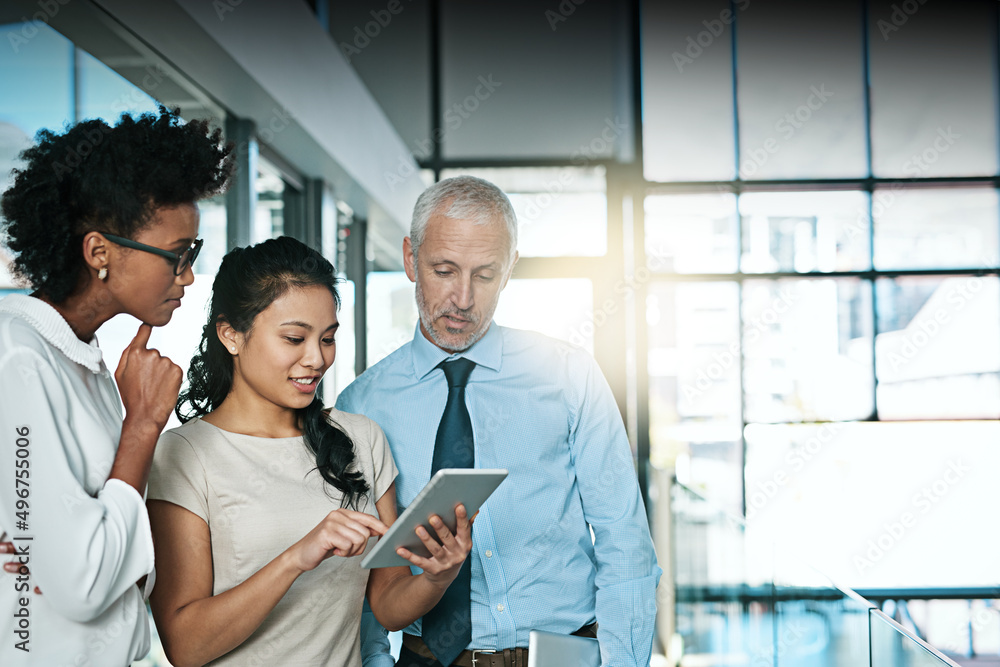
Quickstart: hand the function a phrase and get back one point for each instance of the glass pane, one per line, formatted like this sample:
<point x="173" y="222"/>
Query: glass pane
<point x="561" y="212"/>
<point x="7" y="280"/>
<point x="687" y="80"/>
<point x="879" y="504"/>
<point x="691" y="233"/>
<point x="212" y="229"/>
<point x="933" y="88"/>
<point x="392" y="313"/>
<point x="389" y="46"/>
<point x="37" y="91"/>
<point x="818" y="622"/>
<point x="724" y="593"/>
<point x="559" y="307"/>
<point x="342" y="373"/>
<point x="929" y="229"/>
<point x="946" y="625"/>
<point x="804" y="231"/>
<point x="801" y="91"/>
<point x="694" y="386"/>
<point x="506" y="65"/>
<point x="37" y="73"/>
<point x="894" y="646"/>
<point x="807" y="350"/>
<point x="937" y="351"/>
<point x="269" y="220"/>
<point x="106" y="94"/>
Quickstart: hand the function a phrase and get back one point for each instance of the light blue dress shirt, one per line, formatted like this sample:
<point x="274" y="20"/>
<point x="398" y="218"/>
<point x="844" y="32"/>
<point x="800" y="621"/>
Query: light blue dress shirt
<point x="542" y="409"/>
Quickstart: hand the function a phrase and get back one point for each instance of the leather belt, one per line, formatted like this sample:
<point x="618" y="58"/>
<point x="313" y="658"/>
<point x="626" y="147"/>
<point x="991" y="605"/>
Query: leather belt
<point x="504" y="657"/>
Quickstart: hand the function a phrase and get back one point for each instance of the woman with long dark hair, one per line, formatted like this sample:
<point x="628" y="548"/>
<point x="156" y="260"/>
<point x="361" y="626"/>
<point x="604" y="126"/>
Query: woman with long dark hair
<point x="102" y="220"/>
<point x="261" y="499"/>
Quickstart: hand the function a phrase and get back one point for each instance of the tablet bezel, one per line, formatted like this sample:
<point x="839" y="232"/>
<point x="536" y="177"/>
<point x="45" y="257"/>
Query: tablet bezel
<point x="448" y="488"/>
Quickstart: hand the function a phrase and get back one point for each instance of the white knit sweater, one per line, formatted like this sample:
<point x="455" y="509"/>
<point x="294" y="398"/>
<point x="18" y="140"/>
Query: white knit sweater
<point x="87" y="537"/>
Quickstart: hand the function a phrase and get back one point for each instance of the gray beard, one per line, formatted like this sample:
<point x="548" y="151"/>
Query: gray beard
<point x="428" y="321"/>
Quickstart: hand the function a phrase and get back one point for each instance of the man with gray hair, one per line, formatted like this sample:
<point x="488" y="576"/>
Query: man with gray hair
<point x="563" y="544"/>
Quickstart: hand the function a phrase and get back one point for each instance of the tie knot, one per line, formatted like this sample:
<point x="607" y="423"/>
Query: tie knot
<point x="457" y="372"/>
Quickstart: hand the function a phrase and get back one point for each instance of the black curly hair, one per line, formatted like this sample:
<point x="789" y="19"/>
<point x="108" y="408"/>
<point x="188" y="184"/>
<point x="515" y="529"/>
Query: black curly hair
<point x="249" y="280"/>
<point x="95" y="177"/>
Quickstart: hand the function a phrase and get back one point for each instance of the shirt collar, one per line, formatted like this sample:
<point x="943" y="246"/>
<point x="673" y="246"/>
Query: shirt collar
<point x="53" y="328"/>
<point x="486" y="352"/>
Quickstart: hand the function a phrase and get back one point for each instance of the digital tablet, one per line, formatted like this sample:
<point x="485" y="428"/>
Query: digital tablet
<point x="448" y="488"/>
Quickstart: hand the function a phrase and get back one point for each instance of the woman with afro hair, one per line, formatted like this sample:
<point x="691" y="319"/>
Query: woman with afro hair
<point x="101" y="220"/>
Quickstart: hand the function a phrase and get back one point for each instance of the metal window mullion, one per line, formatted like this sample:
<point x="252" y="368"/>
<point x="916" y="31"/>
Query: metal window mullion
<point x="736" y="99"/>
<point x="872" y="282"/>
<point x="436" y="11"/>
<point x="743" y="395"/>
<point x="356" y="269"/>
<point x="241" y="198"/>
<point x="74" y="82"/>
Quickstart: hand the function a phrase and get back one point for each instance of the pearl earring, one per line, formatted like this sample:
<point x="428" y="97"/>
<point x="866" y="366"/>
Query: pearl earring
<point x="103" y="273"/>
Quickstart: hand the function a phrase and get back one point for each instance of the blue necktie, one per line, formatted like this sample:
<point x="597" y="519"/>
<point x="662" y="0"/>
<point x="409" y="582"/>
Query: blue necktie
<point x="447" y="628"/>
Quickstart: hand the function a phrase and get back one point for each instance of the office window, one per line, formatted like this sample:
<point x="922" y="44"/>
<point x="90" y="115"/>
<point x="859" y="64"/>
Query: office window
<point x="694" y="370"/>
<point x="269" y="220"/>
<point x="807" y="347"/>
<point x="937" y="352"/>
<point x="801" y="116"/>
<point x="878" y="504"/>
<point x="342" y="373"/>
<point x="103" y="93"/>
<point x="692" y="233"/>
<point x="38" y="80"/>
<point x="936" y="228"/>
<point x="558" y="307"/>
<point x="392" y="313"/>
<point x="688" y="118"/>
<point x="497" y="82"/>
<point x="933" y="89"/>
<point x="893" y="313"/>
<point x="804" y="232"/>
<point x="212" y="228"/>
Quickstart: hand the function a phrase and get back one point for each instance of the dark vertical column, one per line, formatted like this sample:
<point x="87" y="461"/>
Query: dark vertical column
<point x="437" y="120"/>
<point x="241" y="198"/>
<point x="635" y="188"/>
<point x="304" y="213"/>
<point x="293" y="213"/>
<point x="312" y="214"/>
<point x="74" y="82"/>
<point x="356" y="268"/>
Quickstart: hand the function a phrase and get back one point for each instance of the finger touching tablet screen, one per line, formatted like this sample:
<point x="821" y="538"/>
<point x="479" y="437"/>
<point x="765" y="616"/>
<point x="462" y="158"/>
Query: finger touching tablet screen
<point x="448" y="488"/>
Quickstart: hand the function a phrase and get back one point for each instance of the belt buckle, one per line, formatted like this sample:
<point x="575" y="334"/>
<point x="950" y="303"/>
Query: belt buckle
<point x="480" y="650"/>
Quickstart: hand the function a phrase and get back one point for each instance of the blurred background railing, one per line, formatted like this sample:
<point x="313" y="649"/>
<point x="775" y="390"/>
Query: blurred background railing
<point x="739" y="601"/>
